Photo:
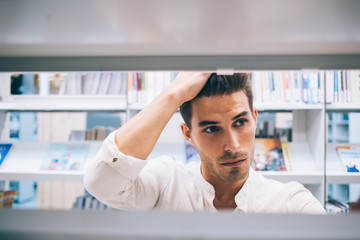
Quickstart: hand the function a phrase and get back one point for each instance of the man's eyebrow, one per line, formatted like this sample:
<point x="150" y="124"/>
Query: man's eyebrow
<point x="206" y="122"/>
<point x="240" y="115"/>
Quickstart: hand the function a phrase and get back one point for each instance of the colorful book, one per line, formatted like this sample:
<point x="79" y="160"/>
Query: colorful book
<point x="268" y="155"/>
<point x="4" y="149"/>
<point x="65" y="156"/>
<point x="350" y="158"/>
<point x="287" y="156"/>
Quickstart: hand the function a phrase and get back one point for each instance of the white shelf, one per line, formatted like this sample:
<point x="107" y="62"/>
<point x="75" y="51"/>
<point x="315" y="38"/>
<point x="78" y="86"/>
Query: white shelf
<point x="343" y="106"/>
<point x="24" y="160"/>
<point x="65" y="103"/>
<point x="301" y="177"/>
<point x="286" y="106"/>
<point x="335" y="172"/>
<point x="259" y="106"/>
<point x="108" y="30"/>
<point x="137" y="106"/>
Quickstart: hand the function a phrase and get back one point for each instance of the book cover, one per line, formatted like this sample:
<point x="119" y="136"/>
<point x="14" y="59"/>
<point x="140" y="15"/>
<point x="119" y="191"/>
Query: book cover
<point x="350" y="158"/>
<point x="4" y="149"/>
<point x="268" y="155"/>
<point x="65" y="156"/>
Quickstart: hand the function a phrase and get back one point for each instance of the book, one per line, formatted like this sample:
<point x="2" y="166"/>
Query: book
<point x="65" y="156"/>
<point x="329" y="79"/>
<point x="268" y="155"/>
<point x="287" y="156"/>
<point x="4" y="149"/>
<point x="306" y="90"/>
<point x="7" y="198"/>
<point x="350" y="158"/>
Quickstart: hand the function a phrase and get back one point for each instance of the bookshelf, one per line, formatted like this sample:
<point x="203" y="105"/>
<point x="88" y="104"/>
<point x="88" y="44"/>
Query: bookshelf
<point x="306" y="148"/>
<point x="315" y="162"/>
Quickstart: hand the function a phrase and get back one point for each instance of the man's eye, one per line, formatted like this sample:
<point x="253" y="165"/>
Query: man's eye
<point x="241" y="122"/>
<point x="211" y="129"/>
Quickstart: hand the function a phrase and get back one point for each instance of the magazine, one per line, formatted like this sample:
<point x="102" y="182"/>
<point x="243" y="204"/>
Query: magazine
<point x="65" y="156"/>
<point x="4" y="149"/>
<point x="350" y="158"/>
<point x="269" y="155"/>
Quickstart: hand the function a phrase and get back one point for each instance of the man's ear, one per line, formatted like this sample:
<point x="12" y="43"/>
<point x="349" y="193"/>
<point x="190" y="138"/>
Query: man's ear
<point x="186" y="132"/>
<point x="255" y="114"/>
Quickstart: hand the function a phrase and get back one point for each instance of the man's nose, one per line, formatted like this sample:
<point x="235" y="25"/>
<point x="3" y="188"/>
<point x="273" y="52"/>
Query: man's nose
<point x="231" y="142"/>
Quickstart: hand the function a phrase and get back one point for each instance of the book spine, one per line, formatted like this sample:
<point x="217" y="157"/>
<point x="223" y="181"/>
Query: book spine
<point x="286" y="83"/>
<point x="329" y="78"/>
<point x="336" y="86"/>
<point x="305" y="81"/>
<point x="287" y="156"/>
<point x="348" y="86"/>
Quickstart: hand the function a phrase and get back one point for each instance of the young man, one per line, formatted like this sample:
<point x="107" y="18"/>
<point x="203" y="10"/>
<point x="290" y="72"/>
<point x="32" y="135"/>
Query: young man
<point x="220" y="122"/>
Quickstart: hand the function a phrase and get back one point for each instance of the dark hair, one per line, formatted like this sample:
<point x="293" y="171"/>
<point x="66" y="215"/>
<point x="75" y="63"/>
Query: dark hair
<point x="218" y="85"/>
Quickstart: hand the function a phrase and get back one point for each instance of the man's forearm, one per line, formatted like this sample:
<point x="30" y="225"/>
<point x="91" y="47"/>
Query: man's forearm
<point x="139" y="135"/>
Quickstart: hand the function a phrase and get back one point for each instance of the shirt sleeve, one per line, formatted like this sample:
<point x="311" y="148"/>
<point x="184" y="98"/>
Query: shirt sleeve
<point x="302" y="201"/>
<point x="120" y="181"/>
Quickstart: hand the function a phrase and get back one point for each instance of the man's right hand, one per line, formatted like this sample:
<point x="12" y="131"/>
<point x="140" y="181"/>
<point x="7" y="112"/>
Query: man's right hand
<point x="187" y="85"/>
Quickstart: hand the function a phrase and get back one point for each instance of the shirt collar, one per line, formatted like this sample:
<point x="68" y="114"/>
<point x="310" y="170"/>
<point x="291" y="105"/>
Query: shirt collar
<point x="242" y="198"/>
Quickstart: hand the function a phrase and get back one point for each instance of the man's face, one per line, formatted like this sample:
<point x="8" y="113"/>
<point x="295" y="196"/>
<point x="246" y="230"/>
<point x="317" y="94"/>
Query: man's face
<point x="223" y="132"/>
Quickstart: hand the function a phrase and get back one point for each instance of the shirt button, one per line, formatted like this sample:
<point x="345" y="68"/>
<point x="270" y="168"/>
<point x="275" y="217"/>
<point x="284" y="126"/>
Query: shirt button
<point x="115" y="159"/>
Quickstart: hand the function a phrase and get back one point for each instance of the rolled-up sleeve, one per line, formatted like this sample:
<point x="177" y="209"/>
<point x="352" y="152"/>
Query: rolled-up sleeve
<point x="114" y="178"/>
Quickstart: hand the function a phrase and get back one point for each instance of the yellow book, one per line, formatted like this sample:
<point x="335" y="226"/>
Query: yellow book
<point x="287" y="156"/>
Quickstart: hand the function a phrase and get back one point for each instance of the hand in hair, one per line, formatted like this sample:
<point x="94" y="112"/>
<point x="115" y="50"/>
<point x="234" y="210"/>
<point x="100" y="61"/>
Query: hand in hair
<point x="187" y="85"/>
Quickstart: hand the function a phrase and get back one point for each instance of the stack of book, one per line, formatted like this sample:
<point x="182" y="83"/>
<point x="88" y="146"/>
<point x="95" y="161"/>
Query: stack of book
<point x="143" y="87"/>
<point x="287" y="87"/>
<point x="342" y="86"/>
<point x="112" y="83"/>
<point x="89" y="202"/>
<point x="335" y="207"/>
<point x="93" y="134"/>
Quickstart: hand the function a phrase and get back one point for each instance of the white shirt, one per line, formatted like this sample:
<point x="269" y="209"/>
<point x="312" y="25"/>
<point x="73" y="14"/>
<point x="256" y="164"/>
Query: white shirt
<point x="128" y="183"/>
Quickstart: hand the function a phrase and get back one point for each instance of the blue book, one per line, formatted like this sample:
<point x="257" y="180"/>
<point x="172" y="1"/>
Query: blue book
<point x="306" y="91"/>
<point x="4" y="149"/>
<point x="336" y="95"/>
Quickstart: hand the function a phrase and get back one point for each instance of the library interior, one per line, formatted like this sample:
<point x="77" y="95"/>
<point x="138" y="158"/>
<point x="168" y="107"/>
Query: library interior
<point x="73" y="72"/>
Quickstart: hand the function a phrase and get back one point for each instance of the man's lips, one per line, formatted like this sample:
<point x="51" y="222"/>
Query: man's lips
<point x="233" y="163"/>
